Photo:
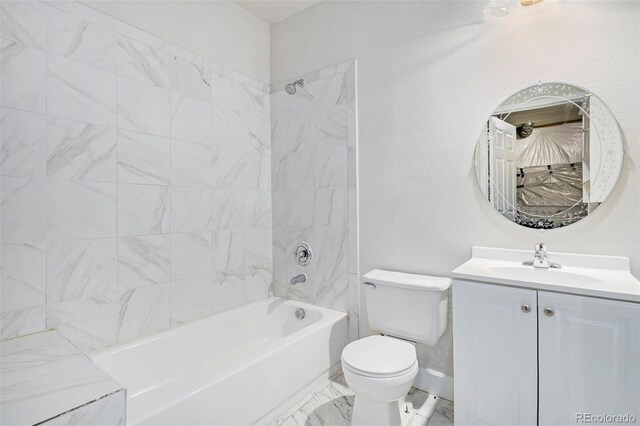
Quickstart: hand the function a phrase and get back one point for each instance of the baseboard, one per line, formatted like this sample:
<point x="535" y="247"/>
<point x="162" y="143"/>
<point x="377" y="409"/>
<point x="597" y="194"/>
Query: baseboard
<point x="435" y="383"/>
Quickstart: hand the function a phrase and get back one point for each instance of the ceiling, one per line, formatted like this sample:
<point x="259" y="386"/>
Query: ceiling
<point x="272" y="11"/>
<point x="565" y="112"/>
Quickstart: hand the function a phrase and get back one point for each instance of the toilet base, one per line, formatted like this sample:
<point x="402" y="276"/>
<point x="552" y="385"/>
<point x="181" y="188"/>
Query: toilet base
<point x="375" y="413"/>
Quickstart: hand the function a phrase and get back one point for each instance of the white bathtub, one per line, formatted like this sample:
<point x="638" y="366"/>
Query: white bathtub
<point x="238" y="367"/>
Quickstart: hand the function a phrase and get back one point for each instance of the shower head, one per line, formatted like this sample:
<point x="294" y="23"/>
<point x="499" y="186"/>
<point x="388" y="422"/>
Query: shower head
<point x="290" y="88"/>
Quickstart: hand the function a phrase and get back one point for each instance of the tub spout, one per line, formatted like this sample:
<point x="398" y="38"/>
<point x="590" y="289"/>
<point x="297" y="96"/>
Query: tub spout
<point x="300" y="278"/>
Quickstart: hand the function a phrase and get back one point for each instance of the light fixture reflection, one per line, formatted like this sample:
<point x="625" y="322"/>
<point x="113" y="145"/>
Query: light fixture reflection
<point x="529" y="2"/>
<point x="497" y="8"/>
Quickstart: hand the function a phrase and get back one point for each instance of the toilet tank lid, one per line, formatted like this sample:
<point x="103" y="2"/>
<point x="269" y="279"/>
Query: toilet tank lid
<point x="403" y="279"/>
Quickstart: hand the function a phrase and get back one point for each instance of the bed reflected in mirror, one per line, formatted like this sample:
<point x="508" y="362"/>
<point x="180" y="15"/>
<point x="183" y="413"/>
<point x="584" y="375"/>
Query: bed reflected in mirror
<point x="549" y="156"/>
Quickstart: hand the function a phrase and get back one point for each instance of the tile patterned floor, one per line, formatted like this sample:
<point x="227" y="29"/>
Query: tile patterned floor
<point x="331" y="405"/>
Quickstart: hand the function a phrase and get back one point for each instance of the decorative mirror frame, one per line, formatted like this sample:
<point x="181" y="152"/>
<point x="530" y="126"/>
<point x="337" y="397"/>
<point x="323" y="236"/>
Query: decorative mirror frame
<point x="604" y="124"/>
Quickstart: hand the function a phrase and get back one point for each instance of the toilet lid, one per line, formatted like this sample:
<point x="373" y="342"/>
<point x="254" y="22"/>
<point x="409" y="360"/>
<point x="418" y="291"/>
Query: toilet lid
<point x="379" y="356"/>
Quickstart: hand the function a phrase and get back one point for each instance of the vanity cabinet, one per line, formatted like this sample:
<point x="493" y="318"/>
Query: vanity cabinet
<point x="589" y="356"/>
<point x="527" y="357"/>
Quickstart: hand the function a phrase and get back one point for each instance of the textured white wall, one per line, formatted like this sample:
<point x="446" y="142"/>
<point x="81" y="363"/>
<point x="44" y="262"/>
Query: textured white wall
<point x="429" y="73"/>
<point x="219" y="30"/>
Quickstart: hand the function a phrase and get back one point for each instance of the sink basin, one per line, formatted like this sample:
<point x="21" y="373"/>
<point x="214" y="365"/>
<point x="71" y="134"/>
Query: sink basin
<point x="591" y="275"/>
<point x="551" y="276"/>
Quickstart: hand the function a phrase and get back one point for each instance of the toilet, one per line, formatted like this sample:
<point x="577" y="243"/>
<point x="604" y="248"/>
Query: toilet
<point x="406" y="309"/>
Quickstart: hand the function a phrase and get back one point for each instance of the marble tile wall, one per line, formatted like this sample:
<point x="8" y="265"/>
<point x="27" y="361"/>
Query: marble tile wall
<point x="314" y="179"/>
<point x="136" y="179"/>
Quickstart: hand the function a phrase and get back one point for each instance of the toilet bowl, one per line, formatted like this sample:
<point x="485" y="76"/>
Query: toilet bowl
<point x="380" y="370"/>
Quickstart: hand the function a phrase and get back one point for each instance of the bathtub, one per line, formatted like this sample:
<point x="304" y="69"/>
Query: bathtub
<point x="238" y="367"/>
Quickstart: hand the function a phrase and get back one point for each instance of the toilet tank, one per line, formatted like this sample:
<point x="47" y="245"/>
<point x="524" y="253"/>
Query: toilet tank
<point x="409" y="306"/>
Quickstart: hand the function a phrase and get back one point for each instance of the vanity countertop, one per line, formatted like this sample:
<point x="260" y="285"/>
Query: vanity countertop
<point x="44" y="376"/>
<point x="606" y="277"/>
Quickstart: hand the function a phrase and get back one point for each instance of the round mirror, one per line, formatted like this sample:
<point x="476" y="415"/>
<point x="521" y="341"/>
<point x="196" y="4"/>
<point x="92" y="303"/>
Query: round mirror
<point x="549" y="155"/>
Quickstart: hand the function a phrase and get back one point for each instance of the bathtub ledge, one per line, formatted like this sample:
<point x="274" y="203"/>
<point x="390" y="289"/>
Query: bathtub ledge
<point x="45" y="377"/>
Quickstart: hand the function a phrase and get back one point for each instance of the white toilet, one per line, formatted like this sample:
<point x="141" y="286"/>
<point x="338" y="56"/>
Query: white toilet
<point x="405" y="308"/>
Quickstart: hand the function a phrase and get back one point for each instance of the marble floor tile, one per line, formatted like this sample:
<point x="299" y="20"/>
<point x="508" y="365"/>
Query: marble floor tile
<point x="443" y="415"/>
<point x="332" y="404"/>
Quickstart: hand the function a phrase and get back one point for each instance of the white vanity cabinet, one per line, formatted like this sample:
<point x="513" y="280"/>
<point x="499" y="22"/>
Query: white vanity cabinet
<point x="524" y="356"/>
<point x="589" y="357"/>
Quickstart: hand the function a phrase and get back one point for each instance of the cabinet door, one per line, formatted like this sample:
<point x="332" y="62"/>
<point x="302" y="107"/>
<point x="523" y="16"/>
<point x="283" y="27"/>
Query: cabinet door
<point x="495" y="355"/>
<point x="589" y="358"/>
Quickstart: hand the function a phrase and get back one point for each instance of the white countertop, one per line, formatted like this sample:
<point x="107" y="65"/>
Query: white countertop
<point x="589" y="275"/>
<point x="43" y="375"/>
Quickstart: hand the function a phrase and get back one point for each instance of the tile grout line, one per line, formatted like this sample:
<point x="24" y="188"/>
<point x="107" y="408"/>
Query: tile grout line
<point x="46" y="171"/>
<point x="118" y="323"/>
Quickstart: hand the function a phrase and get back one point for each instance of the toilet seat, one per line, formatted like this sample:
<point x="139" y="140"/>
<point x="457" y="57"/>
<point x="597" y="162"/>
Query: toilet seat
<point x="379" y="357"/>
<point x="371" y="375"/>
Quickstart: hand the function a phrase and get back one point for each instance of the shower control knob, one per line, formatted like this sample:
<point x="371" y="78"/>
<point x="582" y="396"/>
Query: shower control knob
<point x="526" y="309"/>
<point x="303" y="254"/>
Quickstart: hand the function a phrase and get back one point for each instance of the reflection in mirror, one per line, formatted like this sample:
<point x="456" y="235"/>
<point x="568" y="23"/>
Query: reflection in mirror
<point x="549" y="155"/>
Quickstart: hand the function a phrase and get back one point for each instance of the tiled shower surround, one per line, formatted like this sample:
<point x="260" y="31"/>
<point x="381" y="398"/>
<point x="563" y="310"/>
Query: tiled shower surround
<point x="314" y="179"/>
<point x="136" y="188"/>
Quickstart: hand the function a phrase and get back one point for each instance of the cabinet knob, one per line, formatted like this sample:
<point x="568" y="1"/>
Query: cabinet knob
<point x="525" y="308"/>
<point x="548" y="312"/>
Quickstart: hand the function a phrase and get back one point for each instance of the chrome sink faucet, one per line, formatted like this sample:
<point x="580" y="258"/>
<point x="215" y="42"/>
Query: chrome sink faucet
<point x="540" y="259"/>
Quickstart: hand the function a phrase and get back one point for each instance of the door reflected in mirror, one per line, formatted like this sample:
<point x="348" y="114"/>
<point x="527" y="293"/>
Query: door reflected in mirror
<point x="549" y="155"/>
